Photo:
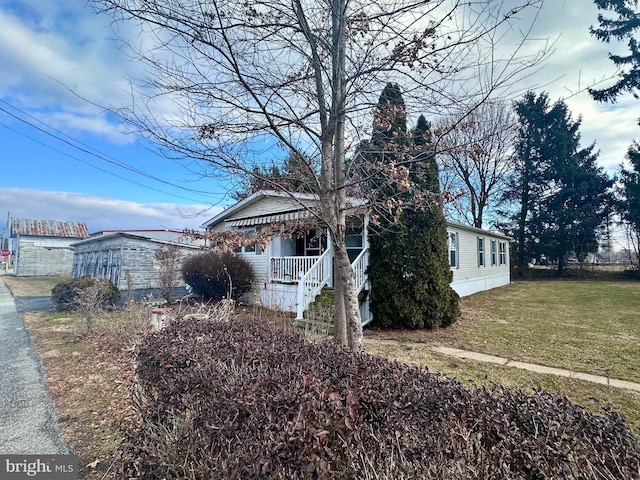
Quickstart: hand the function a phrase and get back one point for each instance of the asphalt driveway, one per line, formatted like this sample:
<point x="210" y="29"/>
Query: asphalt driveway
<point x="28" y="423"/>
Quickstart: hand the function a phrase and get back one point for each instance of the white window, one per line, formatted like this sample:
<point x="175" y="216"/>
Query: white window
<point x="250" y="232"/>
<point x="502" y="250"/>
<point x="452" y="241"/>
<point x="494" y="253"/>
<point x="480" y="251"/>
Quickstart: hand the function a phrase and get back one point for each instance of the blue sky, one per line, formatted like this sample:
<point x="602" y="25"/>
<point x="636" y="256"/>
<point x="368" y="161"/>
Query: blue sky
<point x="50" y="48"/>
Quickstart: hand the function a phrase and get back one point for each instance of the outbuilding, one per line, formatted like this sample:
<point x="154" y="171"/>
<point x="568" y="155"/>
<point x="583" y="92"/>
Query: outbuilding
<point x="43" y="247"/>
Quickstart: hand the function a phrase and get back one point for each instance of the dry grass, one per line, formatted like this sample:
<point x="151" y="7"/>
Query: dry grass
<point x="579" y="325"/>
<point x="33" y="286"/>
<point x="591" y="396"/>
<point x="582" y="326"/>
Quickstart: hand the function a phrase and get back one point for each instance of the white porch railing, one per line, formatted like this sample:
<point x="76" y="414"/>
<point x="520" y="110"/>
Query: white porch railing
<point x="289" y="269"/>
<point x="359" y="266"/>
<point x="310" y="284"/>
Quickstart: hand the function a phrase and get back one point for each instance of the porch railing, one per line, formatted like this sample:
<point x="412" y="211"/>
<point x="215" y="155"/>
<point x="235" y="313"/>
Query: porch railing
<point x="359" y="266"/>
<point x="289" y="269"/>
<point x="310" y="284"/>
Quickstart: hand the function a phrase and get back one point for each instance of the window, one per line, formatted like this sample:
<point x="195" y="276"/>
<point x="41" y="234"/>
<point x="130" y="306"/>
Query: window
<point x="452" y="240"/>
<point x="494" y="253"/>
<point x="250" y="232"/>
<point x="353" y="241"/>
<point x="502" y="250"/>
<point x="480" y="251"/>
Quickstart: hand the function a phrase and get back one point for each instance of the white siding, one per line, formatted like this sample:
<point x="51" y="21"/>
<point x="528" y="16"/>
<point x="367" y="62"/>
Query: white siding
<point x="468" y="277"/>
<point x="269" y="206"/>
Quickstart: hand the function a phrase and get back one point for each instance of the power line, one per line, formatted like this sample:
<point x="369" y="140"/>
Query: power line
<point x="95" y="153"/>
<point x="95" y="166"/>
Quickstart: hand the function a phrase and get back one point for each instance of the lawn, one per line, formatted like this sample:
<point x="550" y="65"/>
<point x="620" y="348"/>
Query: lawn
<point x="584" y="326"/>
<point x="33" y="286"/>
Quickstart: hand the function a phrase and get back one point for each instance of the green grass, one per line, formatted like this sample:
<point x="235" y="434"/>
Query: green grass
<point x="584" y="326"/>
<point x="594" y="397"/>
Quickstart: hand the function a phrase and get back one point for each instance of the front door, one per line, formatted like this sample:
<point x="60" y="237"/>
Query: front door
<point x="312" y="244"/>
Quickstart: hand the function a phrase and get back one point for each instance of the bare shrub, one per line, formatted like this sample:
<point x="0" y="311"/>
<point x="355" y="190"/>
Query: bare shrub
<point x="92" y="300"/>
<point x="241" y="399"/>
<point x="169" y="258"/>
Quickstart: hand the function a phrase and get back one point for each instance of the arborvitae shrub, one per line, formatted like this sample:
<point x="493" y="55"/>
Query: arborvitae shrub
<point x="207" y="273"/>
<point x="65" y="294"/>
<point x="242" y="399"/>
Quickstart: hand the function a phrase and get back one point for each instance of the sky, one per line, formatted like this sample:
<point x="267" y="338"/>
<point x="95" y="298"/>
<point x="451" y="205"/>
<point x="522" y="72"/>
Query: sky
<point x="64" y="158"/>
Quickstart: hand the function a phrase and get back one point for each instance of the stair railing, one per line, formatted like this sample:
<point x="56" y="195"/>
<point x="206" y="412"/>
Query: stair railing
<point x="359" y="266"/>
<point x="310" y="283"/>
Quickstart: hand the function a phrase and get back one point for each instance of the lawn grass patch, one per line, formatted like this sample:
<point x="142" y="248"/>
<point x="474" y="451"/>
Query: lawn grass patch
<point x="593" y="397"/>
<point x="33" y="286"/>
<point x="583" y="326"/>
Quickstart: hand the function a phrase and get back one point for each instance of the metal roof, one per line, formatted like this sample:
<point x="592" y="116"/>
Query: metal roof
<point x="48" y="228"/>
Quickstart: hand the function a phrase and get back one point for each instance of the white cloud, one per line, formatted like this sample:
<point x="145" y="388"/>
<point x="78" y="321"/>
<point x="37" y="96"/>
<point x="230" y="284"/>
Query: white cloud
<point x="102" y="213"/>
<point x="48" y="53"/>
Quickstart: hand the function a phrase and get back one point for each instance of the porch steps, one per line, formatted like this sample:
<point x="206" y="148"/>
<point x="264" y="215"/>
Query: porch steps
<point x="318" y="318"/>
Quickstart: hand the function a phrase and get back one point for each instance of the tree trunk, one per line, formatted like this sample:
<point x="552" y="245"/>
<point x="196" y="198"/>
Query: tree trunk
<point x="349" y="296"/>
<point x="340" y="317"/>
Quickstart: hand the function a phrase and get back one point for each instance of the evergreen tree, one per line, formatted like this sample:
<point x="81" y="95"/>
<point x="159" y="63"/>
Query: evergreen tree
<point x="408" y="266"/>
<point x="628" y="204"/>
<point x="625" y="26"/>
<point x="562" y="193"/>
<point x="291" y="175"/>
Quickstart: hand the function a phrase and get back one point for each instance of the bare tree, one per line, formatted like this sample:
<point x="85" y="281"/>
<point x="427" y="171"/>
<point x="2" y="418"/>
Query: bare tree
<point x="305" y="75"/>
<point x="476" y="158"/>
<point x="169" y="258"/>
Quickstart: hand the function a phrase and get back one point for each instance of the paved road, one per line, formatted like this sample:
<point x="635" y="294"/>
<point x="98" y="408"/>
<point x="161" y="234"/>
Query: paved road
<point x="28" y="424"/>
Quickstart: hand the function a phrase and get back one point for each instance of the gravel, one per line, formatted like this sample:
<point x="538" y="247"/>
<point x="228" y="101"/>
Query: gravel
<point x="28" y="422"/>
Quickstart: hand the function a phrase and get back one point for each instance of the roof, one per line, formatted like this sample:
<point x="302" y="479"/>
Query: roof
<point x="469" y="228"/>
<point x="48" y="228"/>
<point x="152" y="236"/>
<point x="233" y="215"/>
<point x="293" y="206"/>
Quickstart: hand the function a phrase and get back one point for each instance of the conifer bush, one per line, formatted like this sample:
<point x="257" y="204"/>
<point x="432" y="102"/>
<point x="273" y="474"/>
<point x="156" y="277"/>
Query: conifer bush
<point x="65" y="295"/>
<point x="210" y="274"/>
<point x="243" y="399"/>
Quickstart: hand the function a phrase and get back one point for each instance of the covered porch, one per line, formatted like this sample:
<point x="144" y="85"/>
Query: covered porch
<point x="300" y="267"/>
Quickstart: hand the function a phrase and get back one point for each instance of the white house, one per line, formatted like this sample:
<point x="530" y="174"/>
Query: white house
<point x="291" y="272"/>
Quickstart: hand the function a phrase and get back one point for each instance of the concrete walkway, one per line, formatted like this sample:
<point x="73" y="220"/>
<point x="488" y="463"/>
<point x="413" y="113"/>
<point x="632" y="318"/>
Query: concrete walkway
<point x="28" y="423"/>
<point x="483" y="357"/>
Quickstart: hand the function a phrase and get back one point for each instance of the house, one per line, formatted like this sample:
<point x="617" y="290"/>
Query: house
<point x="127" y="257"/>
<point x="291" y="272"/>
<point x="43" y="247"/>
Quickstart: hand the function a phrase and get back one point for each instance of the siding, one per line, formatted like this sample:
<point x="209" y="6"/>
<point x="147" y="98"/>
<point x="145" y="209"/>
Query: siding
<point x="43" y="256"/>
<point x="470" y="278"/>
<point x="269" y="206"/>
<point x="120" y="258"/>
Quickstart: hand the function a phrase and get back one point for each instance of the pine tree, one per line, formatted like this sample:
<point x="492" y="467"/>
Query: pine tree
<point x="408" y="266"/>
<point x="563" y="194"/>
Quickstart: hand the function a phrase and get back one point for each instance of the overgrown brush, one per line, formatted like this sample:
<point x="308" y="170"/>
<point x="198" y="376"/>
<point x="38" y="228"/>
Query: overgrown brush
<point x="241" y="399"/>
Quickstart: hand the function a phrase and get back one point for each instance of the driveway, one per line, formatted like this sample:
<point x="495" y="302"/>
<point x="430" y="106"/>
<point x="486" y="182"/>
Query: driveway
<point x="28" y="423"/>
